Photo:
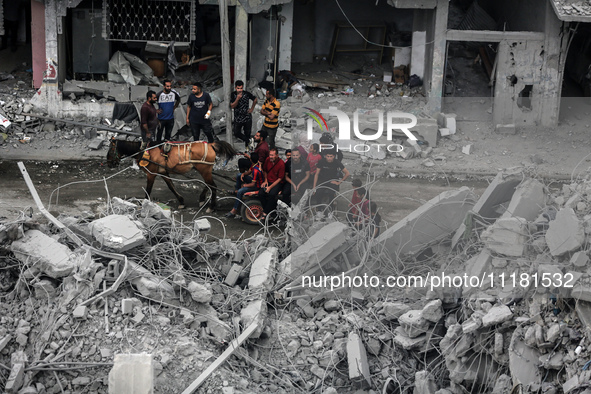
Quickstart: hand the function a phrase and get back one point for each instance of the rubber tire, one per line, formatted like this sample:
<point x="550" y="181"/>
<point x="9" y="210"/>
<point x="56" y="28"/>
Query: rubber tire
<point x="256" y="207"/>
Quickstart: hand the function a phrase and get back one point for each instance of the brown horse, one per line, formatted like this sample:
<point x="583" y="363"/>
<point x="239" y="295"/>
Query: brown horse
<point x="182" y="157"/>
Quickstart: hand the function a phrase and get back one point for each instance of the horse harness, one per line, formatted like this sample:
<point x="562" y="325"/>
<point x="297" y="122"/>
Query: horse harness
<point x="184" y="157"/>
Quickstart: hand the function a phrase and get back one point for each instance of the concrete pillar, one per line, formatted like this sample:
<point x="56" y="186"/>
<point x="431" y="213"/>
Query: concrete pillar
<point x="38" y="41"/>
<point x="439" y="51"/>
<point x="553" y="69"/>
<point x="50" y="91"/>
<point x="241" y="43"/>
<point x="285" y="38"/>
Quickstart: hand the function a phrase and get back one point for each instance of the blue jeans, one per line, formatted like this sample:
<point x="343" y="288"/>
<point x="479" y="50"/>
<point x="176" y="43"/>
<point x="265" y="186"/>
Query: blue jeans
<point x="242" y="190"/>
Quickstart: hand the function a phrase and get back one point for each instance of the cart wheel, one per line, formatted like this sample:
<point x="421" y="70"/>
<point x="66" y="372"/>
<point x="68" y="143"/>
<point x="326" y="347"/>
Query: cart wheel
<point x="252" y="211"/>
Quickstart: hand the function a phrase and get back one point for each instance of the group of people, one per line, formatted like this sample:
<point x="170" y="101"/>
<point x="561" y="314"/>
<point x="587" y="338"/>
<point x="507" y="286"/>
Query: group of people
<point x="159" y="122"/>
<point x="261" y="169"/>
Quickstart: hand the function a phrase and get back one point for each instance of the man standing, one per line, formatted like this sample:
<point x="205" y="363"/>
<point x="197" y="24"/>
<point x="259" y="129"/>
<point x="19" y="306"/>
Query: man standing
<point x="149" y="119"/>
<point x="273" y="172"/>
<point x="239" y="102"/>
<point x="168" y="101"/>
<point x="199" y="107"/>
<point x="327" y="177"/>
<point x="270" y="110"/>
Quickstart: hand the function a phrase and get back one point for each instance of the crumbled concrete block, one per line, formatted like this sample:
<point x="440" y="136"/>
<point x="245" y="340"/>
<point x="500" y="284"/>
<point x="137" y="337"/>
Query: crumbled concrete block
<point x="132" y="374"/>
<point x="44" y="254"/>
<point x="503" y="385"/>
<point x="444" y="132"/>
<point x="200" y="292"/>
<point x="499" y="191"/>
<point x="96" y="144"/>
<point x="552" y="360"/>
<point x="454" y="332"/>
<point x="81" y="381"/>
<point x="151" y="286"/>
<point x="44" y="289"/>
<point x="497" y="315"/>
<point x="138" y="92"/>
<point x="106" y="352"/>
<point x="565" y="233"/>
<point x="467" y="149"/>
<point x="424" y="383"/>
<point x="506" y="128"/>
<point x="506" y="236"/>
<point x="156" y="211"/>
<point x="583" y="309"/>
<point x="119" y="92"/>
<point x="471" y="325"/>
<point x="262" y="271"/>
<point x="202" y="225"/>
<point x="433" y="221"/>
<point x="117" y="232"/>
<point x="407" y="343"/>
<point x="139" y="316"/>
<point x="357" y="359"/>
<point x="433" y="311"/>
<point x="387" y="76"/>
<point x="393" y="310"/>
<point x="127" y="306"/>
<point x="527" y="201"/>
<point x="233" y="275"/>
<point x="254" y="311"/>
<point x="413" y="323"/>
<point x="15" y="379"/>
<point x="80" y="312"/>
<point x="553" y="332"/>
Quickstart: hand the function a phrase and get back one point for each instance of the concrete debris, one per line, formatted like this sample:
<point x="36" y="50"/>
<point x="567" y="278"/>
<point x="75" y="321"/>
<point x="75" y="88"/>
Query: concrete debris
<point x="44" y="254"/>
<point x="182" y="290"/>
<point x="507" y="236"/>
<point x="117" y="233"/>
<point x="565" y="233"/>
<point x="132" y="373"/>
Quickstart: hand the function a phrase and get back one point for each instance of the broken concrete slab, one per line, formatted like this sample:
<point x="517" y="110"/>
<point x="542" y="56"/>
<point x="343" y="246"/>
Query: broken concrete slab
<point x="254" y="312"/>
<point x="428" y="130"/>
<point x="312" y="252"/>
<point x="150" y="285"/>
<point x="119" y="93"/>
<point x="70" y="87"/>
<point x="262" y="271"/>
<point x="132" y="374"/>
<point x="506" y="236"/>
<point x="357" y="360"/>
<point x="117" y="232"/>
<point x="407" y="343"/>
<point x="233" y="275"/>
<point x="96" y="144"/>
<point x="44" y="254"/>
<point x="393" y="310"/>
<point x="523" y="360"/>
<point x="138" y="93"/>
<point x="528" y="200"/>
<point x="429" y="224"/>
<point x="579" y="259"/>
<point x="565" y="233"/>
<point x="432" y="311"/>
<point x="500" y="190"/>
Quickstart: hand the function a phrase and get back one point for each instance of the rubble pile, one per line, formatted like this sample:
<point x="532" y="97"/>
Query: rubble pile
<point x="134" y="292"/>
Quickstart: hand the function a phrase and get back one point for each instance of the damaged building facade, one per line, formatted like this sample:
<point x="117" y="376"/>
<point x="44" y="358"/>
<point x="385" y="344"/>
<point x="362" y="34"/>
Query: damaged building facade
<point x="524" y="57"/>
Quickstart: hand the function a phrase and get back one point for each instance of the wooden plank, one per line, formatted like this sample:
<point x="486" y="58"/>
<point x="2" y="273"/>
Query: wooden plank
<point x="493" y="36"/>
<point x="235" y="344"/>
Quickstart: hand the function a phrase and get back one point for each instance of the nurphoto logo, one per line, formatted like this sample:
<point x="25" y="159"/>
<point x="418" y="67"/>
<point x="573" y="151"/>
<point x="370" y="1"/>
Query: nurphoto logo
<point x="394" y="121"/>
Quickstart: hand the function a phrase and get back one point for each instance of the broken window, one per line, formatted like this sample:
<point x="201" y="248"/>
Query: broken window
<point x="524" y="99"/>
<point x="154" y="20"/>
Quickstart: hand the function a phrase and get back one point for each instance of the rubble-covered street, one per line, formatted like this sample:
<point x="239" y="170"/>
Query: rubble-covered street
<point x="456" y="262"/>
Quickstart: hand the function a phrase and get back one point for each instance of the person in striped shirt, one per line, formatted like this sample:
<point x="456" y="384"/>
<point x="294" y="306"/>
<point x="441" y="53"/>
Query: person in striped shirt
<point x="270" y="110"/>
